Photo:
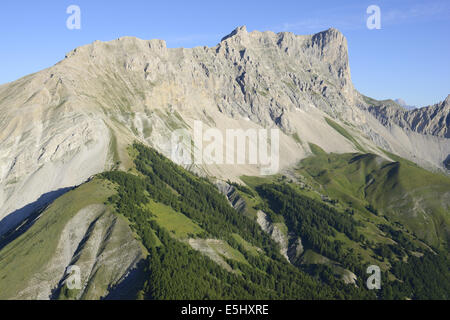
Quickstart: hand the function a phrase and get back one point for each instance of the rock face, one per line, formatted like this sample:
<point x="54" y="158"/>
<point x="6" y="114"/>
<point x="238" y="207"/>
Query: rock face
<point x="291" y="246"/>
<point x="433" y="120"/>
<point x="275" y="231"/>
<point x="60" y="126"/>
<point x="236" y="201"/>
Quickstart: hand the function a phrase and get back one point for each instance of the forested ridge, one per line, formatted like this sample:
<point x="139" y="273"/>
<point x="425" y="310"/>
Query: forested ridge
<point x="174" y="270"/>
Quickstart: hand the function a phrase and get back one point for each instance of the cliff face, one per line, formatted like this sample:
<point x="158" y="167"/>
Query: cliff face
<point x="63" y="124"/>
<point x="433" y="120"/>
<point x="259" y="75"/>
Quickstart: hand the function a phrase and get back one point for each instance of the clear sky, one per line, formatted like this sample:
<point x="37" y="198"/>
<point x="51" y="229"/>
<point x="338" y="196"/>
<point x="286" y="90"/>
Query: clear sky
<point x="407" y="58"/>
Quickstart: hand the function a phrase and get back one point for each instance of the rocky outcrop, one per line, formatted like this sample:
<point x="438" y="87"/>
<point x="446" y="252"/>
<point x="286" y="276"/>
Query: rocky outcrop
<point x="236" y="201"/>
<point x="291" y="246"/>
<point x="292" y="249"/>
<point x="433" y="120"/>
<point x="295" y="249"/>
<point x="447" y="162"/>
<point x="276" y="231"/>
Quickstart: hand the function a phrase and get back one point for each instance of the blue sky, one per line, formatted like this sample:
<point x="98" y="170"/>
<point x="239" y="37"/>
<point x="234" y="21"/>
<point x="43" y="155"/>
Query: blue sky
<point x="408" y="58"/>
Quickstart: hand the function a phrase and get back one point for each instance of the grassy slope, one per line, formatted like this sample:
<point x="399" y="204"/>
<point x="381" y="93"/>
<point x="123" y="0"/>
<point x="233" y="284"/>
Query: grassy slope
<point x="31" y="251"/>
<point x="344" y="133"/>
<point x="400" y="190"/>
<point x="394" y="189"/>
<point x="176" y="223"/>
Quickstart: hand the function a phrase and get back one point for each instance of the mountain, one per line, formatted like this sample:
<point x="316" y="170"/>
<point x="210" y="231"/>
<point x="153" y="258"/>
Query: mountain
<point x="403" y="103"/>
<point x="433" y="120"/>
<point x="161" y="232"/>
<point x="400" y="190"/>
<point x="100" y="108"/>
<point x="66" y="123"/>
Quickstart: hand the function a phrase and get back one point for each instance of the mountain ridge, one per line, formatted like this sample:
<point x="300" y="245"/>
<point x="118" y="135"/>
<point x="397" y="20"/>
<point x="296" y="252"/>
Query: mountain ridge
<point x="60" y="126"/>
<point x="159" y="231"/>
<point x="433" y="120"/>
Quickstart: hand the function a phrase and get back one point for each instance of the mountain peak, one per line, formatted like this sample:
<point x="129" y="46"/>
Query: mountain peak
<point x="447" y="100"/>
<point x="242" y="30"/>
<point x="328" y="36"/>
<point x="333" y="31"/>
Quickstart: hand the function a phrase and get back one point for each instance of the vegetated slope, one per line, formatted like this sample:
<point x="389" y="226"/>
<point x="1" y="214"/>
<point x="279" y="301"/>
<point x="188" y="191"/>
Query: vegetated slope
<point x="233" y="257"/>
<point x="398" y="190"/>
<point x="200" y="247"/>
<point x="329" y="245"/>
<point x="76" y="229"/>
<point x="335" y="241"/>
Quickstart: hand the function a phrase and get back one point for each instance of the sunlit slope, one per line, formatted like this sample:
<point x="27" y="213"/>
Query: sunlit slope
<point x="77" y="229"/>
<point x="399" y="189"/>
<point x="159" y="231"/>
